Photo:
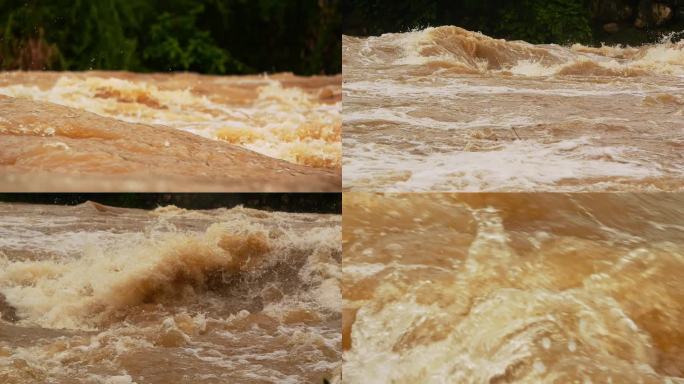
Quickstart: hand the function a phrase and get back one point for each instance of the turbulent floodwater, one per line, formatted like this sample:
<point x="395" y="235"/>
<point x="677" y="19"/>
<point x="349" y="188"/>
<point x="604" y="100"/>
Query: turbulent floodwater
<point x="503" y="288"/>
<point x="445" y="109"/>
<point x="94" y="294"/>
<point x="170" y="131"/>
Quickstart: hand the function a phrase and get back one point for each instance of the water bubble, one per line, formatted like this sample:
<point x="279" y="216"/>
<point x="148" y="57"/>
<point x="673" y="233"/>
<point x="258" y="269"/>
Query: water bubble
<point x="546" y="343"/>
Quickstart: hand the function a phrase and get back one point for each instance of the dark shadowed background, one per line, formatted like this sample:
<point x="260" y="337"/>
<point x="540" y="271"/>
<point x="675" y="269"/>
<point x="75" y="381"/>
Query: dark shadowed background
<point x="631" y="22"/>
<point x="206" y="36"/>
<point x="287" y="202"/>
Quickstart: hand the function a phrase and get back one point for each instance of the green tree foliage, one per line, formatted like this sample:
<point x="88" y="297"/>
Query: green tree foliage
<point x="303" y="35"/>
<point x="208" y="36"/>
<point x="92" y="34"/>
<point x="176" y="43"/>
<point x="546" y="21"/>
<point x="22" y="41"/>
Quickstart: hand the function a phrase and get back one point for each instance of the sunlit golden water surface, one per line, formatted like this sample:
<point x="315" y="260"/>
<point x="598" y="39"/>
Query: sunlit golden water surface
<point x="125" y="131"/>
<point x="513" y="288"/>
<point x="95" y="294"/>
<point x="445" y="109"/>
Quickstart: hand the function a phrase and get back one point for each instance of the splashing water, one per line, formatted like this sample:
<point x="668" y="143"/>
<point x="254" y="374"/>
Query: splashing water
<point x="257" y="113"/>
<point x="228" y="133"/>
<point x="94" y="294"/>
<point x="502" y="288"/>
<point x="445" y="109"/>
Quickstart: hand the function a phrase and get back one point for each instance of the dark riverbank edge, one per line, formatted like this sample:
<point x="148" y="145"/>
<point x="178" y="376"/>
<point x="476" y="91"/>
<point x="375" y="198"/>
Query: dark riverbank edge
<point x="285" y="202"/>
<point x="591" y="22"/>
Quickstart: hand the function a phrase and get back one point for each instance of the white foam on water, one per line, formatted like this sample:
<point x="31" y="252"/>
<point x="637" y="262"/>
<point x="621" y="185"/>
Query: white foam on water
<point x="518" y="165"/>
<point x="284" y="123"/>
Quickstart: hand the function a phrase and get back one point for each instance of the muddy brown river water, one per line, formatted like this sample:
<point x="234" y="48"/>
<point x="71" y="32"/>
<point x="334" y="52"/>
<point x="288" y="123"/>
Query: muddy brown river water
<point x="119" y="131"/>
<point x="445" y="109"/>
<point x="95" y="294"/>
<point x="513" y="288"/>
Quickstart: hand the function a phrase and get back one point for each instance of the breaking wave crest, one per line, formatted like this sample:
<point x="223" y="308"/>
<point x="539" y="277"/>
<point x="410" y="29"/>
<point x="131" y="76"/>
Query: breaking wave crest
<point x="448" y="49"/>
<point x="498" y="288"/>
<point x="445" y="109"/>
<point x="101" y="294"/>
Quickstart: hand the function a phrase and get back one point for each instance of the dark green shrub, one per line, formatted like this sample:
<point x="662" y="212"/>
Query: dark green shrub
<point x="545" y="21"/>
<point x="176" y="43"/>
<point x="211" y="36"/>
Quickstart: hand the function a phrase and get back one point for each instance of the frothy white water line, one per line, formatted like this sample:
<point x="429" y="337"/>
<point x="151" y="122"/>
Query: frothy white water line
<point x="518" y="165"/>
<point x="392" y="115"/>
<point x="453" y="89"/>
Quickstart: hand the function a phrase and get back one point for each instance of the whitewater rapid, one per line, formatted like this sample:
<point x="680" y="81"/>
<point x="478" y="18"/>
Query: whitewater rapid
<point x="96" y="294"/>
<point x="445" y="109"/>
<point x="119" y="131"/>
<point x="502" y="288"/>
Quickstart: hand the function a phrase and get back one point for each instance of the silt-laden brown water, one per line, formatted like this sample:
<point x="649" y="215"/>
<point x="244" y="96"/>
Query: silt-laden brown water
<point x="118" y="131"/>
<point x="445" y="109"/>
<point x="95" y="294"/>
<point x="513" y="288"/>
